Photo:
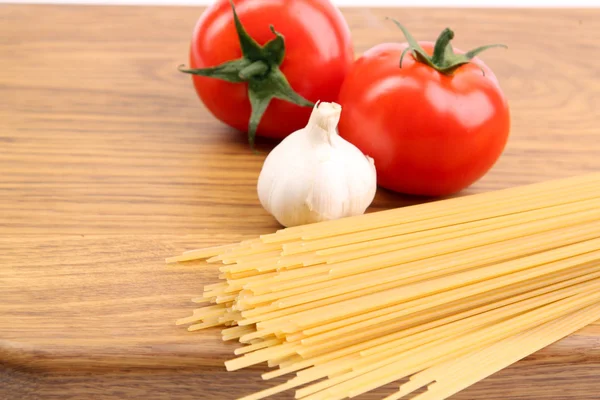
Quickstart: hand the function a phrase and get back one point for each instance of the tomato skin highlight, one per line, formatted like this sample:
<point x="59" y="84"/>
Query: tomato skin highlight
<point x="318" y="56"/>
<point x="430" y="134"/>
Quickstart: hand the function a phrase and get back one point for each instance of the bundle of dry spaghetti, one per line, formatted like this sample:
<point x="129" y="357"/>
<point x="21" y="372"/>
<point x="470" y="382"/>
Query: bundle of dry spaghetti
<point x="443" y="293"/>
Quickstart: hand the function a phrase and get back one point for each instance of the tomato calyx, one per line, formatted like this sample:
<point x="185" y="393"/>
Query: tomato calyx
<point x="443" y="60"/>
<point x="259" y="67"/>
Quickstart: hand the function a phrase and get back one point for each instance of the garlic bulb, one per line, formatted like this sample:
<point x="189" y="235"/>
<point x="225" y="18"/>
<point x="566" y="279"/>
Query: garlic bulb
<point x="315" y="175"/>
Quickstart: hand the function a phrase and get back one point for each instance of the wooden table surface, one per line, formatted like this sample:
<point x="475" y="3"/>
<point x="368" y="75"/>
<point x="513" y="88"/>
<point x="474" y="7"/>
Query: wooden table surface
<point x="109" y="163"/>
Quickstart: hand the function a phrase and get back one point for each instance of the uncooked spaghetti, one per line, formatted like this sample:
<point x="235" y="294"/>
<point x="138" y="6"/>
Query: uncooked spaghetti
<point x="444" y="293"/>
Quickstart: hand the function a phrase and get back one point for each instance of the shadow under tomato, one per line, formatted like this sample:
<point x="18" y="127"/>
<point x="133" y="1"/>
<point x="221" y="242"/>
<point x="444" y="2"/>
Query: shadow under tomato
<point x="387" y="199"/>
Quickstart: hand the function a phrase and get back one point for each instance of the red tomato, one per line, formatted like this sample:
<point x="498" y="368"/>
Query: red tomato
<point x="430" y="133"/>
<point x="318" y="55"/>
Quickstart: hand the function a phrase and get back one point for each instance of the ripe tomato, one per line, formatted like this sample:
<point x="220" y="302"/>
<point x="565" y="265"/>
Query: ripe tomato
<point x="433" y="126"/>
<point x="313" y="51"/>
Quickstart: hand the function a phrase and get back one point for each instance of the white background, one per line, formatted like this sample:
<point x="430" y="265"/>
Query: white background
<point x="372" y="3"/>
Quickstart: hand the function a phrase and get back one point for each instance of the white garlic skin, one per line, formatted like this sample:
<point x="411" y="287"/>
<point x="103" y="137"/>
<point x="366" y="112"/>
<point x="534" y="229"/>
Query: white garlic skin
<point x="315" y="175"/>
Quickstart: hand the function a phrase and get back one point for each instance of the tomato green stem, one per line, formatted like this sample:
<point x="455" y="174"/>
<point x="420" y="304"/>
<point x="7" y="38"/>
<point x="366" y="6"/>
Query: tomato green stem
<point x="442" y="47"/>
<point x="259" y="67"/>
<point x="444" y="59"/>
<point x="256" y="69"/>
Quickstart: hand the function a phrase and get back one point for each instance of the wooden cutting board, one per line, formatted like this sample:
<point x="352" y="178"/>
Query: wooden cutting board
<point x="109" y="164"/>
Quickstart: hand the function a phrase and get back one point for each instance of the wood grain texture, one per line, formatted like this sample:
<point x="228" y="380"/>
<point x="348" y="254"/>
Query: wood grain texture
<point x="108" y="164"/>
